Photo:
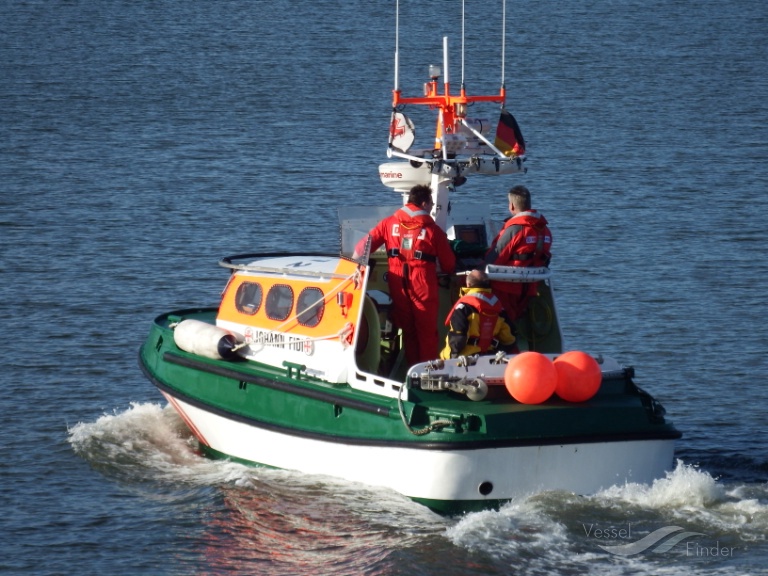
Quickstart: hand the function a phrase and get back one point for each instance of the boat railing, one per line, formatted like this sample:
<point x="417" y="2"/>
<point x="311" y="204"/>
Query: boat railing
<point x="255" y="266"/>
<point x="474" y="161"/>
<point x="518" y="273"/>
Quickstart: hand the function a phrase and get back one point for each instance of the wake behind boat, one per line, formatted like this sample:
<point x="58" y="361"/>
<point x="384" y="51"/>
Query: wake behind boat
<point x="300" y="366"/>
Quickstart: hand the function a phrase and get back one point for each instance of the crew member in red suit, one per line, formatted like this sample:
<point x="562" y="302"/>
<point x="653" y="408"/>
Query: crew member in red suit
<point x="415" y="246"/>
<point x="525" y="240"/>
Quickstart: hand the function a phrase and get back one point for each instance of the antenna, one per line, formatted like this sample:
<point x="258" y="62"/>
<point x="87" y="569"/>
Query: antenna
<point x="397" y="45"/>
<point x="463" y="3"/>
<point x="446" y="75"/>
<point x="503" y="38"/>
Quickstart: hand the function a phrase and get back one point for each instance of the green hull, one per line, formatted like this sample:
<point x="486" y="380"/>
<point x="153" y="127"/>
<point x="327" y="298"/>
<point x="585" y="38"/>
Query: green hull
<point x="285" y="399"/>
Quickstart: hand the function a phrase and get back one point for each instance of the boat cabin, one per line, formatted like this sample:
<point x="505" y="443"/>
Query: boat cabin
<point x="328" y="316"/>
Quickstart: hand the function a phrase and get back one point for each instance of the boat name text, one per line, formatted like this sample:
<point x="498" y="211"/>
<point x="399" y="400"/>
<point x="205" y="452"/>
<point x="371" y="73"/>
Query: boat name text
<point x="278" y="340"/>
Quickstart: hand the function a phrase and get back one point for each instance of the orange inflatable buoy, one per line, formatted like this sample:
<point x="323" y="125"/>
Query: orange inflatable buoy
<point x="578" y="376"/>
<point x="530" y="378"/>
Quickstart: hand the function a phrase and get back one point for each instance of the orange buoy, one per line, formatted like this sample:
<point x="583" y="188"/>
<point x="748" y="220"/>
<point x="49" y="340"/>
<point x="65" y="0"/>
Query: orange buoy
<point x="530" y="378"/>
<point x="578" y="376"/>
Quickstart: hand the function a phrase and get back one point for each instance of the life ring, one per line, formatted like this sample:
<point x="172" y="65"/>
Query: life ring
<point x="368" y="348"/>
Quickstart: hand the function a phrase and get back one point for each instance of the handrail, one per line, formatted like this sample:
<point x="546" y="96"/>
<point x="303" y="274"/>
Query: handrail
<point x="226" y="262"/>
<point x="518" y="273"/>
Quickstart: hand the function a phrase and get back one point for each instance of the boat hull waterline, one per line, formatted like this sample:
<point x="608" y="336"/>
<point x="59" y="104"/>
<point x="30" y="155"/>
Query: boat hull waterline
<point x="445" y="480"/>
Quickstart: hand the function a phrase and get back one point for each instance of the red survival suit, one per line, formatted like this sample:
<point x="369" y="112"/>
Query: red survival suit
<point x="415" y="245"/>
<point x="525" y="240"/>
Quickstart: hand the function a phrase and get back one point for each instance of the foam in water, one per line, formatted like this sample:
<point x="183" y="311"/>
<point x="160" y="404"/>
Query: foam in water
<point x="554" y="525"/>
<point x="690" y="494"/>
<point x="151" y="443"/>
<point x="685" y="486"/>
<point x="148" y="442"/>
<point x="517" y="528"/>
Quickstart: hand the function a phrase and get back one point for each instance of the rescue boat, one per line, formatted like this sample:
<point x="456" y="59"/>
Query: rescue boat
<point x="301" y="368"/>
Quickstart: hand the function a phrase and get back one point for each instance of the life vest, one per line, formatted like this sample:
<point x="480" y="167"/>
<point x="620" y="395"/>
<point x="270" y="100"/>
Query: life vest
<point x="531" y="245"/>
<point x="488" y="308"/>
<point x="409" y="232"/>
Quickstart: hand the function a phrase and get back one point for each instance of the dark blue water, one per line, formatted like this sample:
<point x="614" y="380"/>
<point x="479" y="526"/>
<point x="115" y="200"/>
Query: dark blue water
<point x="142" y="141"/>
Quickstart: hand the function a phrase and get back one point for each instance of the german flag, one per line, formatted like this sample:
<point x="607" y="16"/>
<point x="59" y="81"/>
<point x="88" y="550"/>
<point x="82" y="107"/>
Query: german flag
<point x="509" y="138"/>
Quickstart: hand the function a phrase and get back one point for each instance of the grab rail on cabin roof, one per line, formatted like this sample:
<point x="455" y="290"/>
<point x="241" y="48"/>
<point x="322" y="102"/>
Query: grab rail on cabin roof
<point x="227" y="262"/>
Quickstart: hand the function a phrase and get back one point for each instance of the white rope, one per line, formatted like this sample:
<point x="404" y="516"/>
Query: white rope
<point x="327" y="298"/>
<point x="342" y="334"/>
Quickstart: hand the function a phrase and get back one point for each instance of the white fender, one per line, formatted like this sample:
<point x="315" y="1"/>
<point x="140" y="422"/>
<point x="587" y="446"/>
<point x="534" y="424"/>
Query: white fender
<point x="204" y="339"/>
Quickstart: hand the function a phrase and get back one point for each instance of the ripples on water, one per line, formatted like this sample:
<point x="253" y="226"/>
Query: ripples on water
<point x="141" y="142"/>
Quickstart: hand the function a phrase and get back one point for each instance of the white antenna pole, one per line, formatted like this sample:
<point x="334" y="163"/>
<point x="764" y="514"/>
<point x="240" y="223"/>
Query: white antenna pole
<point x="446" y="77"/>
<point x="503" y="37"/>
<point x="397" y="45"/>
<point x="462" y="41"/>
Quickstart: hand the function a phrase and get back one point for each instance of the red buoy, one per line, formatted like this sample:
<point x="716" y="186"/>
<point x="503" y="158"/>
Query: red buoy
<point x="530" y="378"/>
<point x="578" y="376"/>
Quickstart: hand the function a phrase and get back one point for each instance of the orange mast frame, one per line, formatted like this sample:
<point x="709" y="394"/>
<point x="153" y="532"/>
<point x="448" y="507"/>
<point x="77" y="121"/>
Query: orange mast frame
<point x="453" y="108"/>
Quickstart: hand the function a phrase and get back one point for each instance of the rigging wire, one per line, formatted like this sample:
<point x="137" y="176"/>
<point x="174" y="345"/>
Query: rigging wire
<point x="503" y="39"/>
<point x="463" y="3"/>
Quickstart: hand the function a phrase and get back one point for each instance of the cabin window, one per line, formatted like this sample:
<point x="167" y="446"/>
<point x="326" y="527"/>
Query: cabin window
<point x="248" y="297"/>
<point x="310" y="306"/>
<point x="279" y="302"/>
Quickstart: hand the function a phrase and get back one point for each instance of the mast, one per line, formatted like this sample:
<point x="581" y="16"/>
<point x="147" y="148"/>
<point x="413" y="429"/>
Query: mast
<point x="445" y="168"/>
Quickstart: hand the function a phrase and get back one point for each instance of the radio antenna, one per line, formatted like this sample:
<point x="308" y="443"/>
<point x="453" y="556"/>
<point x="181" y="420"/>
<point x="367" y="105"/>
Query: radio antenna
<point x="397" y="45"/>
<point x="463" y="3"/>
<point x="503" y="37"/>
